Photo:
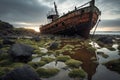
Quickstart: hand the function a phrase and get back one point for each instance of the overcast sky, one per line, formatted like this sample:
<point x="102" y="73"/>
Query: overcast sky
<point x="27" y="13"/>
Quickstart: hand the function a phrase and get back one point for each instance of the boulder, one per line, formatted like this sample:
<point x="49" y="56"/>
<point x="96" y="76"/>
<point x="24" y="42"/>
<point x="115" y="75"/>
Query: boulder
<point x="37" y="38"/>
<point x="52" y="37"/>
<point x="54" y="45"/>
<point x="8" y="42"/>
<point x="0" y="52"/>
<point x="1" y="45"/>
<point x="21" y="52"/>
<point x="106" y="40"/>
<point x="22" y="73"/>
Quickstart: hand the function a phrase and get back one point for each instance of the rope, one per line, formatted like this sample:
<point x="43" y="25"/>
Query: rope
<point x="93" y="36"/>
<point x="95" y="28"/>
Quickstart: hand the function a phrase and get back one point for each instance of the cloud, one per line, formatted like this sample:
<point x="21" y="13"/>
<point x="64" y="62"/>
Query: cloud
<point x="33" y="12"/>
<point x="110" y="23"/>
<point x="22" y="11"/>
<point x="109" y="8"/>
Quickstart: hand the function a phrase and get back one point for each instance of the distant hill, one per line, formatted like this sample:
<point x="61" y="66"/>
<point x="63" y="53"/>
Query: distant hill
<point x="7" y="29"/>
<point x="24" y="31"/>
<point x="5" y="25"/>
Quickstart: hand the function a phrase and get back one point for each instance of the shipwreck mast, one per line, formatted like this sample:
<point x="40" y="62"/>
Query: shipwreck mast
<point x="53" y="15"/>
<point x="56" y="11"/>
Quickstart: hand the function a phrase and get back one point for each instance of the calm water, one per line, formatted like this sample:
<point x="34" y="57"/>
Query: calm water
<point x="94" y="71"/>
<point x="102" y="73"/>
<point x="106" y="33"/>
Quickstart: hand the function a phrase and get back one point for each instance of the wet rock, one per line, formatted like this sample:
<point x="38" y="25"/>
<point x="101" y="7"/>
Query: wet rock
<point x="1" y="45"/>
<point x="21" y="52"/>
<point x="77" y="73"/>
<point x="118" y="47"/>
<point x="111" y="48"/>
<point x="103" y="54"/>
<point x="8" y="42"/>
<point x="106" y="40"/>
<point x="113" y="65"/>
<point x="47" y="73"/>
<point x="43" y="50"/>
<point x="1" y="52"/>
<point x="52" y="37"/>
<point x="54" y="45"/>
<point x="72" y="63"/>
<point x="37" y="38"/>
<point x="22" y="73"/>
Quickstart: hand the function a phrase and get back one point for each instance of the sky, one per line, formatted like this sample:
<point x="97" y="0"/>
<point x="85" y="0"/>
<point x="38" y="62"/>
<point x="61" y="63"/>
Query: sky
<point x="32" y="13"/>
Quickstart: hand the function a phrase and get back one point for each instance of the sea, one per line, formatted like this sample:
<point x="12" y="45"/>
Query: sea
<point x="106" y="33"/>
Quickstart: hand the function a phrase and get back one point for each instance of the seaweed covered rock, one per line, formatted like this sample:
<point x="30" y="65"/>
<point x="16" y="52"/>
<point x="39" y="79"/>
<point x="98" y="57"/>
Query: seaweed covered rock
<point x="46" y="73"/>
<point x="1" y="45"/>
<point x="8" y="42"/>
<point x="73" y="63"/>
<point x="54" y="45"/>
<point x="37" y="38"/>
<point x="37" y="64"/>
<point x="106" y="40"/>
<point x="63" y="58"/>
<point x="21" y="52"/>
<point x="77" y="73"/>
<point x="103" y="54"/>
<point x="22" y="73"/>
<point x="4" y="70"/>
<point x="113" y="65"/>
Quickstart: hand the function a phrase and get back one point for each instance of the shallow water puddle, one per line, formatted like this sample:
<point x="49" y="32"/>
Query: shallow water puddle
<point x="62" y="75"/>
<point x="94" y="71"/>
<point x="55" y="64"/>
<point x="112" y="55"/>
<point x="102" y="73"/>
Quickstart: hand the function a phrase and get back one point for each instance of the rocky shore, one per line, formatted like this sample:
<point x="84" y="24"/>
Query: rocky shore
<point x="27" y="56"/>
<point x="15" y="53"/>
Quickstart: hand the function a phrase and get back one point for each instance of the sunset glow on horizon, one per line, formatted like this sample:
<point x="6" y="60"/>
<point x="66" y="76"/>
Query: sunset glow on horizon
<point x="34" y="28"/>
<point x="99" y="28"/>
<point x="22" y="13"/>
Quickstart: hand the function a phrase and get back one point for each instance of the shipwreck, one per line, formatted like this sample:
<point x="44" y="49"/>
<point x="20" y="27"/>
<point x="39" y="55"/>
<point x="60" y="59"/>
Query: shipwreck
<point x="76" y="22"/>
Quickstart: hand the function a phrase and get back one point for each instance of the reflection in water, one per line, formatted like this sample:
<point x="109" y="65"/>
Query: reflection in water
<point x="93" y="70"/>
<point x="102" y="73"/>
<point x="62" y="75"/>
<point x="112" y="54"/>
<point x="88" y="65"/>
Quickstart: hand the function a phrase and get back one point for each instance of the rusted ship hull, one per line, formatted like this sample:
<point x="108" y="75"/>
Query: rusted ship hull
<point x="79" y="21"/>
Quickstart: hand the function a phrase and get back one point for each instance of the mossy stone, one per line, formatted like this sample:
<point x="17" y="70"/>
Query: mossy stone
<point x="77" y="73"/>
<point x="46" y="73"/>
<point x="73" y="63"/>
<point x="63" y="58"/>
